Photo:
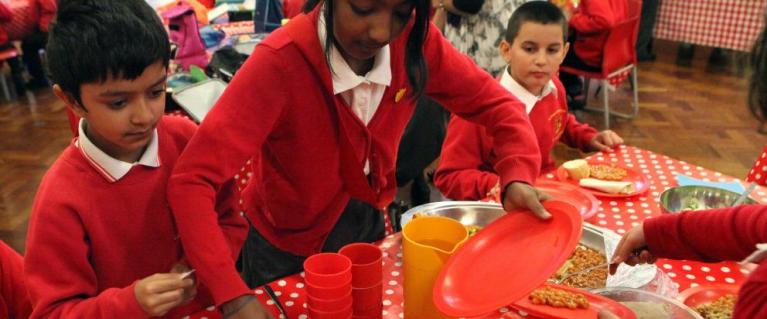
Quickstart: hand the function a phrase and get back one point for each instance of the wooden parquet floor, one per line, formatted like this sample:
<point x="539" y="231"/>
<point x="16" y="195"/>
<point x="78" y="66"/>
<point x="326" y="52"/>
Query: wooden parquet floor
<point x="697" y="114"/>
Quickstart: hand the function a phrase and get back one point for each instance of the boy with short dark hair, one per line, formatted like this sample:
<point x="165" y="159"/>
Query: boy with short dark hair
<point x="102" y="242"/>
<point x="534" y="47"/>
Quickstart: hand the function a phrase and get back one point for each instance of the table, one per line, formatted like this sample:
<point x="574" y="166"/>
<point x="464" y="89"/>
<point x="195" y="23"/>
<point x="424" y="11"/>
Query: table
<point x="619" y="215"/>
<point x="727" y="24"/>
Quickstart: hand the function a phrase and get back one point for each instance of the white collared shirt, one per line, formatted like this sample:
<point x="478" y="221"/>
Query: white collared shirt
<point x="111" y="168"/>
<point x="525" y="96"/>
<point x="362" y="93"/>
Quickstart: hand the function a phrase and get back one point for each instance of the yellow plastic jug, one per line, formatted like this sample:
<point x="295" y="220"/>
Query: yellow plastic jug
<point x="427" y="244"/>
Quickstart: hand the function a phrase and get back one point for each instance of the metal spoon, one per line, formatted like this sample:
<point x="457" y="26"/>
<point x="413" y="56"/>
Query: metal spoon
<point x="560" y="280"/>
<point x="744" y="195"/>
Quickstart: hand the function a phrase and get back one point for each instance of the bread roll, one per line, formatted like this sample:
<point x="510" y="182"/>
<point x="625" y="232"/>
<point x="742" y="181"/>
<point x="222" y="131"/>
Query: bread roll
<point x="612" y="187"/>
<point x="577" y="169"/>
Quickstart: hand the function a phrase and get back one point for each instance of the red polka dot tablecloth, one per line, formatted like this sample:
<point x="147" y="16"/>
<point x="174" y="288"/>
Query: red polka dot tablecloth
<point x="728" y="24"/>
<point x="621" y="215"/>
<point x="618" y="214"/>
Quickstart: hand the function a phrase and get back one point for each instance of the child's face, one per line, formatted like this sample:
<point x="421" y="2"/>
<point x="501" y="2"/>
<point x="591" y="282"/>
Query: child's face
<point x="362" y="27"/>
<point x="121" y="114"/>
<point x="535" y="55"/>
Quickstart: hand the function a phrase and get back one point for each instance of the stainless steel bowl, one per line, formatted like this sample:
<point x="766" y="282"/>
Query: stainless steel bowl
<point x="673" y="308"/>
<point x="681" y="198"/>
<point x="483" y="213"/>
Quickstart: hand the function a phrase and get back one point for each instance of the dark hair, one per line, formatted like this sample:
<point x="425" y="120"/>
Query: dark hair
<point x="757" y="84"/>
<point x="91" y="40"/>
<point x="415" y="65"/>
<point x="541" y="12"/>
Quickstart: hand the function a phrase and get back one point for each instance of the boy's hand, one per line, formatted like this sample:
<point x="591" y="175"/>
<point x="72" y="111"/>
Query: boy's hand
<point x="521" y="195"/>
<point x="191" y="292"/>
<point x="605" y="141"/>
<point x="632" y="250"/>
<point x="245" y="307"/>
<point x="159" y="293"/>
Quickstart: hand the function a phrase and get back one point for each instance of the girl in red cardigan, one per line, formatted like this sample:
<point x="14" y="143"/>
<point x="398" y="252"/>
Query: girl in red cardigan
<point x="320" y="106"/>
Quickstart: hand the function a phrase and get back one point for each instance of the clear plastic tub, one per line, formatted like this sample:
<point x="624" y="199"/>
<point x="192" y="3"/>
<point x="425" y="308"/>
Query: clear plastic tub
<point x="648" y="305"/>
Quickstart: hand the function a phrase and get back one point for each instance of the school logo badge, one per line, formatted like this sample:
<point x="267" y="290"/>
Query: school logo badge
<point x="400" y="94"/>
<point x="557" y="123"/>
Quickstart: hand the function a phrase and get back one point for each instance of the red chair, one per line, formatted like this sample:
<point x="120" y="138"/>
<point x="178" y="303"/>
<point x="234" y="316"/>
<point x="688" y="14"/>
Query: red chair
<point x="618" y="58"/>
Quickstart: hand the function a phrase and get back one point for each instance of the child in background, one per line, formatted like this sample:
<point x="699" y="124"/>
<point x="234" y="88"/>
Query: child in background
<point x="590" y="23"/>
<point x="321" y="105"/>
<point x="101" y="241"/>
<point x="534" y="47"/>
<point x="737" y="230"/>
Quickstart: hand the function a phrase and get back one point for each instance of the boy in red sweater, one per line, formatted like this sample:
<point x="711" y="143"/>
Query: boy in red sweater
<point x="710" y="236"/>
<point x="534" y="47"/>
<point x="102" y="242"/>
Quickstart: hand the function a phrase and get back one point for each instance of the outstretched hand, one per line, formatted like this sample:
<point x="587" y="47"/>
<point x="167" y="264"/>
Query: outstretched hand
<point x="522" y="195"/>
<point x="632" y="250"/>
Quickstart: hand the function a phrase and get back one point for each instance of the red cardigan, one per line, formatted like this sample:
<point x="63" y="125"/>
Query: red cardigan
<point x="716" y="235"/>
<point x="90" y="240"/>
<point x="14" y="300"/>
<point x="592" y="21"/>
<point x="465" y="169"/>
<point x="280" y="109"/>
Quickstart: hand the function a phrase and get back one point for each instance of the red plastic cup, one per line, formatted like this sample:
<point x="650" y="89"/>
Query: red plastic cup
<point x="345" y="313"/>
<point x="329" y="292"/>
<point x="368" y="299"/>
<point x="367" y="269"/>
<point x="329" y="305"/>
<point x="326" y="270"/>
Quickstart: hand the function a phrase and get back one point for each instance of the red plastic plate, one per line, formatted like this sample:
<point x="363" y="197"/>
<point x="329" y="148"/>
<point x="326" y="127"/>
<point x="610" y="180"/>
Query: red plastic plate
<point x="696" y="296"/>
<point x="584" y="201"/>
<point x="596" y="302"/>
<point x="641" y="184"/>
<point x="506" y="260"/>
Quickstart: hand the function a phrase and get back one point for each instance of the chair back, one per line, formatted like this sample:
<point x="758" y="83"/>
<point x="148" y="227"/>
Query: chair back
<point x="620" y="47"/>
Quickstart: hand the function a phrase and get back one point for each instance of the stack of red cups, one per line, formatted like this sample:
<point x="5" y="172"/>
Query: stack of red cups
<point x="328" y="280"/>
<point x="367" y="279"/>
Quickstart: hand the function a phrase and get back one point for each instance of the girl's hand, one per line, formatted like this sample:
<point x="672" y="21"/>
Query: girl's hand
<point x="521" y="195"/>
<point x="605" y="141"/>
<point x="190" y="292"/>
<point x="632" y="250"/>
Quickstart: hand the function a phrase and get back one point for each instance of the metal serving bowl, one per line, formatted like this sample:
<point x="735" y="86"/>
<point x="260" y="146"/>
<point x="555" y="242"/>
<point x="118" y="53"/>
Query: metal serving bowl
<point x="483" y="213"/>
<point x="681" y="198"/>
<point x="674" y="309"/>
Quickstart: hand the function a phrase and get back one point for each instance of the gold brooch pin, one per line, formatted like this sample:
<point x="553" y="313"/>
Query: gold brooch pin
<point x="400" y="95"/>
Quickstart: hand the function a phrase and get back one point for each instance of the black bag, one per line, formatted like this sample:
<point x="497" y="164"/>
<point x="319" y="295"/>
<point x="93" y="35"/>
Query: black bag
<point x="225" y="63"/>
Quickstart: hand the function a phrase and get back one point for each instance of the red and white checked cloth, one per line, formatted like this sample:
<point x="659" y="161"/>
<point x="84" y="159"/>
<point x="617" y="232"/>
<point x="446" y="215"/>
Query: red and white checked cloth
<point x="727" y="24"/>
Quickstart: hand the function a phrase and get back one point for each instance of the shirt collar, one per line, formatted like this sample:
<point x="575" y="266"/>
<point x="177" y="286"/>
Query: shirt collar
<point x="111" y="168"/>
<point x="344" y="78"/>
<point x="527" y="98"/>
